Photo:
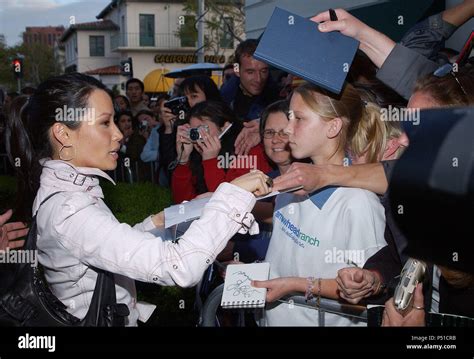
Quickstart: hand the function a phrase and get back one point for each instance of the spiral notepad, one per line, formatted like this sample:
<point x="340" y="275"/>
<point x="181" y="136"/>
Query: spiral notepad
<point x="238" y="292"/>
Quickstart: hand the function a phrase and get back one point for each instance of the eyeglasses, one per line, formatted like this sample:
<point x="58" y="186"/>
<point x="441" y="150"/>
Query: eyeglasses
<point x="448" y="69"/>
<point x="269" y="134"/>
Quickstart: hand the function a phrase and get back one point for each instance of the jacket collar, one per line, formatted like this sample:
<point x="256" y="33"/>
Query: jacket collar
<point x="66" y="177"/>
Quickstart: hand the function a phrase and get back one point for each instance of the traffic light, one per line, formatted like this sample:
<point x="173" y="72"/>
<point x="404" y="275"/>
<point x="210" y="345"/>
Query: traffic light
<point x="17" y="66"/>
<point x="126" y="67"/>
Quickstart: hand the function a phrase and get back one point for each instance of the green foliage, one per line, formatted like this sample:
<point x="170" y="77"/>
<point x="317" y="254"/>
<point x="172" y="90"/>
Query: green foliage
<point x="38" y="64"/>
<point x="7" y="192"/>
<point x="223" y="22"/>
<point x="132" y="203"/>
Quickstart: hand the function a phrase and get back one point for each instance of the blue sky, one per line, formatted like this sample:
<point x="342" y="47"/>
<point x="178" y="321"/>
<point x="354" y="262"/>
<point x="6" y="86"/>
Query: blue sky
<point x="15" y="15"/>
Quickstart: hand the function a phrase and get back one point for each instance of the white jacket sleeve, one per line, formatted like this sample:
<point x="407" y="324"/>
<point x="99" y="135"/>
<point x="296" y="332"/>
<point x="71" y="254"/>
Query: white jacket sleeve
<point x="97" y="239"/>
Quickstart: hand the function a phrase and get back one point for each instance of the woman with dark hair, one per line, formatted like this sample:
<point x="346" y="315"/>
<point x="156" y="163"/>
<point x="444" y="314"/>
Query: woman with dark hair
<point x="61" y="159"/>
<point x="121" y="103"/>
<point x="205" y="163"/>
<point x="199" y="89"/>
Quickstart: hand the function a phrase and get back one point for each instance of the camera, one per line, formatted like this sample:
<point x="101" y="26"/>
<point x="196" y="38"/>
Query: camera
<point x="194" y="135"/>
<point x="178" y="105"/>
<point x="412" y="273"/>
<point x="143" y="125"/>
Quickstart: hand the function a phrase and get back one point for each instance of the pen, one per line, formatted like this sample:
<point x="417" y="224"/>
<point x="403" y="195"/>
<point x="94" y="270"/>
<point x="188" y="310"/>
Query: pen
<point x="223" y="132"/>
<point x="332" y="15"/>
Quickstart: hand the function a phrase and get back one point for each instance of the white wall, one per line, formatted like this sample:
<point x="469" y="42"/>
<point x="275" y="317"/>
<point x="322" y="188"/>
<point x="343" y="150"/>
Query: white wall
<point x="85" y="61"/>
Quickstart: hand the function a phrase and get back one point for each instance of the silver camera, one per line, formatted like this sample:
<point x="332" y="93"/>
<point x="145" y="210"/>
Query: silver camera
<point x="412" y="273"/>
<point x="194" y="135"/>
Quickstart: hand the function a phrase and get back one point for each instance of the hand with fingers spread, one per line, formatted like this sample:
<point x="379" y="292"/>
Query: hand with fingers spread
<point x="184" y="146"/>
<point x="209" y="147"/>
<point x="248" y="138"/>
<point x="354" y="284"/>
<point x="11" y="232"/>
<point x="255" y="181"/>
<point x="415" y="317"/>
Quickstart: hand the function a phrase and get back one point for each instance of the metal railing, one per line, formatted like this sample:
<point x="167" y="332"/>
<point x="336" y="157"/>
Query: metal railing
<point x="208" y="316"/>
<point x="135" y="171"/>
<point x="164" y="41"/>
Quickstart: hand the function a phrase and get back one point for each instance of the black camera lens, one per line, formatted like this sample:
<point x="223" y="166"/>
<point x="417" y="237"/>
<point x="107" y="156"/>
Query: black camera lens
<point x="194" y="134"/>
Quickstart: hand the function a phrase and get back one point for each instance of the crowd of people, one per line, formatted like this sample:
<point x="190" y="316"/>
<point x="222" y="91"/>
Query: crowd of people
<point x="258" y="132"/>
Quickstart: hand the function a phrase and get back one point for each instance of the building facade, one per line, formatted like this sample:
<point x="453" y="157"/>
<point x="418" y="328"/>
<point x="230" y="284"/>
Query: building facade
<point x="159" y="36"/>
<point x="43" y="35"/>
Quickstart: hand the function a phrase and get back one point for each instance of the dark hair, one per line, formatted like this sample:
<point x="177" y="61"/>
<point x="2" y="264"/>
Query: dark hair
<point x="128" y="113"/>
<point x="279" y="106"/>
<point x="228" y="66"/>
<point x="162" y="97"/>
<point x="134" y="80"/>
<point x="447" y="90"/>
<point x="125" y="98"/>
<point x="146" y="112"/>
<point x="28" y="126"/>
<point x="204" y="83"/>
<point x="246" y="48"/>
<point x="219" y="113"/>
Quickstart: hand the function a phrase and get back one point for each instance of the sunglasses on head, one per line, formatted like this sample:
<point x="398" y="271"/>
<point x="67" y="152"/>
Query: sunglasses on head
<point x="446" y="70"/>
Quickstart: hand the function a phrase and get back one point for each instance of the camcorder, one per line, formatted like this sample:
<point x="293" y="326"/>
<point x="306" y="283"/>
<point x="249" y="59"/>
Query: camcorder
<point x="178" y="105"/>
<point x="194" y="135"/>
<point x="412" y="273"/>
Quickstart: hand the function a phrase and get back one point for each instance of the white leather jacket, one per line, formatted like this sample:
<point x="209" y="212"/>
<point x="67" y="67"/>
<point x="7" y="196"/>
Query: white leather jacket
<point x="77" y="230"/>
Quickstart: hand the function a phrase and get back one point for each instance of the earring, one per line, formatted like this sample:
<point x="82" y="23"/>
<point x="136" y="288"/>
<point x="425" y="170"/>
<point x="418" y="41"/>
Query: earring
<point x="67" y="159"/>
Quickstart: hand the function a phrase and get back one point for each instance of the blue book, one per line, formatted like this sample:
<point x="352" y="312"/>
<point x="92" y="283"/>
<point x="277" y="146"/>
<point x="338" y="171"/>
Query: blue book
<point x="295" y="45"/>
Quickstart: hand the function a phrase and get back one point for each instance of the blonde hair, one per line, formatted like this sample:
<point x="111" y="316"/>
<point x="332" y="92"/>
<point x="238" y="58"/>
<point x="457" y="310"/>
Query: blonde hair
<point x="363" y="131"/>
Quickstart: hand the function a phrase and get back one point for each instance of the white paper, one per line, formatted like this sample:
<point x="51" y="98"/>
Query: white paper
<point x="185" y="212"/>
<point x="238" y="291"/>
<point x="189" y="211"/>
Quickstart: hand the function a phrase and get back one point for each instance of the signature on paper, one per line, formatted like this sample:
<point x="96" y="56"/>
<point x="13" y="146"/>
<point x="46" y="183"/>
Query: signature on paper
<point x="242" y="285"/>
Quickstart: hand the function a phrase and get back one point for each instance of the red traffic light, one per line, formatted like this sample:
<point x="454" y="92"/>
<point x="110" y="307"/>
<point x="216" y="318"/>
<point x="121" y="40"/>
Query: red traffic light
<point x="17" y="65"/>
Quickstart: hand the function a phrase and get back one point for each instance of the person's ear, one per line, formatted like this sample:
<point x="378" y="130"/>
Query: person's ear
<point x="390" y="149"/>
<point x="61" y="134"/>
<point x="335" y="127"/>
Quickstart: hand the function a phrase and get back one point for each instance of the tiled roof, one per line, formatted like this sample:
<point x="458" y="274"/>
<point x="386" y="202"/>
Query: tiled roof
<point x="109" y="70"/>
<point x="91" y="26"/>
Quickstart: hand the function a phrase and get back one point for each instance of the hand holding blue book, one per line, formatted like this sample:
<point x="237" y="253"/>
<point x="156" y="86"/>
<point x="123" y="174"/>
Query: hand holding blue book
<point x="295" y="45"/>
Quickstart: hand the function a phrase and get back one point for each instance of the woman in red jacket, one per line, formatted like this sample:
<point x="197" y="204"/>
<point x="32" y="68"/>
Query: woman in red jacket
<point x="205" y="163"/>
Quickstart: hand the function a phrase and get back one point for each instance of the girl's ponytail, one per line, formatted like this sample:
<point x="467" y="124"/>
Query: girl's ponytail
<point x="370" y="136"/>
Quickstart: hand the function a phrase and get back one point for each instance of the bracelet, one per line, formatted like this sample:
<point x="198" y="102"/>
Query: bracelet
<point x="309" y="288"/>
<point x="318" y="303"/>
<point x="183" y="162"/>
